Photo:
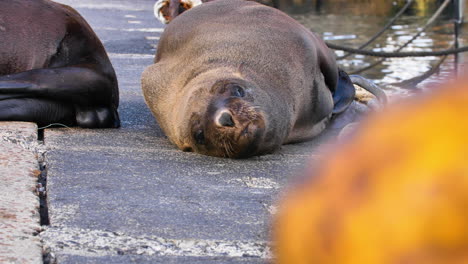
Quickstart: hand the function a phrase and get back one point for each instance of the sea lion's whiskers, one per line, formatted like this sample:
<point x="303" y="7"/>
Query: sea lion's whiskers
<point x="228" y="148"/>
<point x="226" y="151"/>
<point x="224" y="142"/>
<point x="231" y="148"/>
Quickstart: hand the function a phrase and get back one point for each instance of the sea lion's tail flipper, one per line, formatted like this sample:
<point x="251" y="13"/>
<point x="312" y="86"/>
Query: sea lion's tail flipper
<point x="344" y="93"/>
<point x="369" y="86"/>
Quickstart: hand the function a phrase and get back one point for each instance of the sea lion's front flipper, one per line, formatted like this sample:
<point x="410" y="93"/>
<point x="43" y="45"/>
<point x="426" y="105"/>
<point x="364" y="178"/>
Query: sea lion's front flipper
<point x="343" y="96"/>
<point x="38" y="110"/>
<point x="76" y="84"/>
<point x="13" y="87"/>
<point x="83" y="87"/>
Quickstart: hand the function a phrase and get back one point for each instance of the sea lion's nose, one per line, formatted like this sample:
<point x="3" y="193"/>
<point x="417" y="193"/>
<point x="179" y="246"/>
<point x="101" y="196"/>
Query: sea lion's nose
<point x="225" y="120"/>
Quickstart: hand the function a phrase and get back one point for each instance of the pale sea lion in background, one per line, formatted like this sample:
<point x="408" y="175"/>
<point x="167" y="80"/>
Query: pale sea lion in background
<point x="53" y="67"/>
<point x="166" y="10"/>
<point x="237" y="78"/>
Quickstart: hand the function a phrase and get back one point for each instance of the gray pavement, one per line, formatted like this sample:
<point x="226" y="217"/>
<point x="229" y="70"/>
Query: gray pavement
<point x="128" y="196"/>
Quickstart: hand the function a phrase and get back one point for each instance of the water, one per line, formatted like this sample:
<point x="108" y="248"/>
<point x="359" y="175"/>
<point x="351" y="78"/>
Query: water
<point x="353" y="22"/>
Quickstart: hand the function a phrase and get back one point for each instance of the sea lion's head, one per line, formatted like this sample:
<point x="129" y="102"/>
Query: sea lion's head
<point x="220" y="118"/>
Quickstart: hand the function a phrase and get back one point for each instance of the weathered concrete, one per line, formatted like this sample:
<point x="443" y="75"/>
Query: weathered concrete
<point x="19" y="213"/>
<point x="123" y="259"/>
<point x="135" y="184"/>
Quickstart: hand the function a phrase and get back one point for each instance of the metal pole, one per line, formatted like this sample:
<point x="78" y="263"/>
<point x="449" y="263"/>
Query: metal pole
<point x="457" y="20"/>
<point x="461" y="9"/>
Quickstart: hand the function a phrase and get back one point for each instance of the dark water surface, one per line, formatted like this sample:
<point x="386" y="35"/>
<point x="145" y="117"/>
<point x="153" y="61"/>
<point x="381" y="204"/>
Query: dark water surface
<point x="352" y="23"/>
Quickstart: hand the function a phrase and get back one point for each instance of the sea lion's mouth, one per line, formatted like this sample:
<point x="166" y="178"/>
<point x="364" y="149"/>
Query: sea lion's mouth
<point x="246" y="131"/>
<point x="233" y="136"/>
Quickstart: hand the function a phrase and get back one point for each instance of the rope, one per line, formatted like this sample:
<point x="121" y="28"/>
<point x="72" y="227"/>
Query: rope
<point x="400" y="54"/>
<point x="378" y="34"/>
<point x="54" y="124"/>
<point x="371" y="87"/>
<point x="420" y="31"/>
<point x="429" y="22"/>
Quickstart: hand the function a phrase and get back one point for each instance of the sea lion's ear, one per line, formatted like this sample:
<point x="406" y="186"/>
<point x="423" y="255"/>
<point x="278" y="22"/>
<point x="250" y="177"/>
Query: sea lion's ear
<point x="344" y="93"/>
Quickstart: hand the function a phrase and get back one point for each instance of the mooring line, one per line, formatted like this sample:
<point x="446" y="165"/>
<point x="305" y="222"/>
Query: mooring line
<point x="429" y="22"/>
<point x="397" y="53"/>
<point x="402" y="54"/>
<point x="378" y="34"/>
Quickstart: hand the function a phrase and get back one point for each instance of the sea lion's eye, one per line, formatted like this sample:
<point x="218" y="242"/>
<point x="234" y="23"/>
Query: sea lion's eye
<point x="199" y="137"/>
<point x="237" y="91"/>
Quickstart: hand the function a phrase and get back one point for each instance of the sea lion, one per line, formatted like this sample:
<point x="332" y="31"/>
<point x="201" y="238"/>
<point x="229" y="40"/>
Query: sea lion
<point x="237" y="78"/>
<point x="53" y="67"/>
<point x="166" y="10"/>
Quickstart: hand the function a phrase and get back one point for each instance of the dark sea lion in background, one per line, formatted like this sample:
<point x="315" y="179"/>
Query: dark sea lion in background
<point x="237" y="78"/>
<point x="53" y="67"/>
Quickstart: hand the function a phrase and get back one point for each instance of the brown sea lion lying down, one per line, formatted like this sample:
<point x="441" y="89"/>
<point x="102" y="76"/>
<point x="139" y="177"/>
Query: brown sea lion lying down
<point x="237" y="78"/>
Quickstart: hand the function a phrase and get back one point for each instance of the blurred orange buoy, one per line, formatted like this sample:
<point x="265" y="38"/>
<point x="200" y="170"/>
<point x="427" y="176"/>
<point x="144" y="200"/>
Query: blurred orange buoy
<point x="396" y="193"/>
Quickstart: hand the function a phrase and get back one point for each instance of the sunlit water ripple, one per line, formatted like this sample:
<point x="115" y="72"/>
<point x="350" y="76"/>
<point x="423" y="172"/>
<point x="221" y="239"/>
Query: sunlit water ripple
<point x="351" y="30"/>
